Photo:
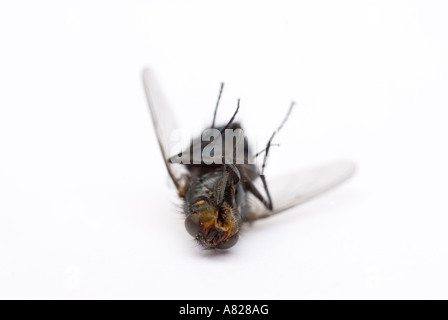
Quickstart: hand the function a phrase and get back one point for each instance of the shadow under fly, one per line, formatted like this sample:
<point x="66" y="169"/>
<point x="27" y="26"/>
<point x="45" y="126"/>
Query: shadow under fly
<point x="218" y="180"/>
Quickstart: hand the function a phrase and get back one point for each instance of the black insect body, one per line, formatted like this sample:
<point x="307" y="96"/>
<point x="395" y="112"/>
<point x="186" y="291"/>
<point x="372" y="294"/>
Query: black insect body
<point x="219" y="179"/>
<point x="216" y="197"/>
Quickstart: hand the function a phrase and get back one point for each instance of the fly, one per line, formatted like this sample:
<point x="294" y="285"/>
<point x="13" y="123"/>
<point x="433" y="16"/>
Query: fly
<point x="219" y="182"/>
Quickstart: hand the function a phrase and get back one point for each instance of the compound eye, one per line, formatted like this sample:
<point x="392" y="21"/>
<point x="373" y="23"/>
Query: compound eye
<point x="192" y="224"/>
<point x="229" y="243"/>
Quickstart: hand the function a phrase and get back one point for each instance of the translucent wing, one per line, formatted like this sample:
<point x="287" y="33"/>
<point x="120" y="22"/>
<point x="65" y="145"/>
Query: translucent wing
<point x="164" y="124"/>
<point x="296" y="188"/>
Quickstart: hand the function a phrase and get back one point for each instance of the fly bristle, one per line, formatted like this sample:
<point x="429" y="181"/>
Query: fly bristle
<point x="202" y="244"/>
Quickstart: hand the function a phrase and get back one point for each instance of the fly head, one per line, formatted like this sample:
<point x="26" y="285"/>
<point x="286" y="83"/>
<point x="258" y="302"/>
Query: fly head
<point x="213" y="208"/>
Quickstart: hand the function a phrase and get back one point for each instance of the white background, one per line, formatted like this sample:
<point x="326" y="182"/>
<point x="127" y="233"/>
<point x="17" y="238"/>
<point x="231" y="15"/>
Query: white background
<point x="86" y="209"/>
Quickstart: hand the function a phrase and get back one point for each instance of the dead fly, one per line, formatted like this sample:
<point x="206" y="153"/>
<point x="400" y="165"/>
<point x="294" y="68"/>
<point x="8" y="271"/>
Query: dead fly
<point x="219" y="182"/>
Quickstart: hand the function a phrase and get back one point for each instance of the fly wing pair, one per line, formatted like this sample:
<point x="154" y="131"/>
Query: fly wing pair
<point x="287" y="192"/>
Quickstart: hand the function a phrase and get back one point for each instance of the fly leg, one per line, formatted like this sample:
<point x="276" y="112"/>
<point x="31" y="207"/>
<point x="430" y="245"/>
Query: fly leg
<point x="249" y="186"/>
<point x="269" y="204"/>
<point x="231" y="119"/>
<point x="268" y="146"/>
<point x="217" y="104"/>
<point x="216" y="111"/>
<point x="262" y="151"/>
